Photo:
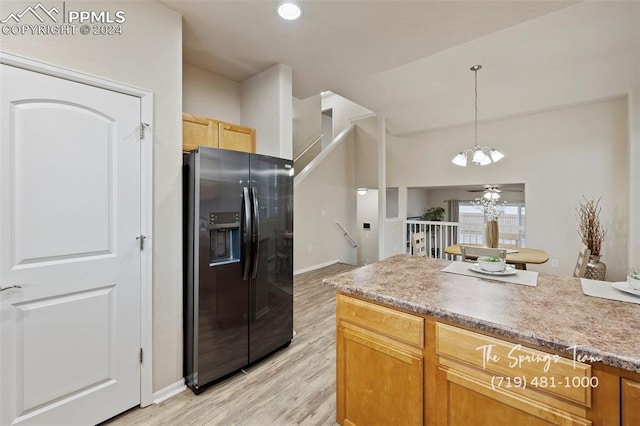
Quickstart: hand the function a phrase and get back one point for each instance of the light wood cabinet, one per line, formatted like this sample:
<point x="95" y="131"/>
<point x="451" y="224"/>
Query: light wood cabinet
<point x="380" y="365"/>
<point x="394" y="367"/>
<point x="482" y="380"/>
<point x="197" y="131"/>
<point x="203" y="131"/>
<point x="237" y="138"/>
<point x="466" y="400"/>
<point x="630" y="402"/>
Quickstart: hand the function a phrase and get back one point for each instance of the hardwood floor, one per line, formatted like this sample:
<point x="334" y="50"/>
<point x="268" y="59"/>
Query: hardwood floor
<point x="295" y="386"/>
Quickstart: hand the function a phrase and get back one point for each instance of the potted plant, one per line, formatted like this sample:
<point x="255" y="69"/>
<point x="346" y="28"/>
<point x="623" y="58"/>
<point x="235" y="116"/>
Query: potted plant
<point x="592" y="234"/>
<point x="634" y="279"/>
<point x="435" y="214"/>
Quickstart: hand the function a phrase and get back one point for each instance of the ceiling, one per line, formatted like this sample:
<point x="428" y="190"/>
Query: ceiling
<point x="380" y="54"/>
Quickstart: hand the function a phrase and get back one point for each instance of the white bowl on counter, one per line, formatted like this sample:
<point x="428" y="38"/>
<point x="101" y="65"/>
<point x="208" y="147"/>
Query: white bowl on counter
<point x="634" y="283"/>
<point x="492" y="264"/>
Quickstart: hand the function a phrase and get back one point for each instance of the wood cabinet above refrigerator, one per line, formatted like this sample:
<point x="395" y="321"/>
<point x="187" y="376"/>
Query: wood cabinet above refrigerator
<point x="204" y="131"/>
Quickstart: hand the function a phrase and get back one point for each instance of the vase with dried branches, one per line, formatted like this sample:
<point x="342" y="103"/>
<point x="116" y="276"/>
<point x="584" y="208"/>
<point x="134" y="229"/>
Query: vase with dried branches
<point x="592" y="235"/>
<point x="491" y="209"/>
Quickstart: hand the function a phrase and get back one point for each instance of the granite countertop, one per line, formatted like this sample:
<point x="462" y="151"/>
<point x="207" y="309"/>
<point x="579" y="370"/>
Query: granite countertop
<point x="555" y="314"/>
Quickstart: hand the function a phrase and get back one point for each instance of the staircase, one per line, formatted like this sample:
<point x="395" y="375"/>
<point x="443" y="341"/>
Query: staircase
<point x="312" y="150"/>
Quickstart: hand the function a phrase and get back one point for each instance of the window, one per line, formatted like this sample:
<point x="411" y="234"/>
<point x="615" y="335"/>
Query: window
<point x="510" y="222"/>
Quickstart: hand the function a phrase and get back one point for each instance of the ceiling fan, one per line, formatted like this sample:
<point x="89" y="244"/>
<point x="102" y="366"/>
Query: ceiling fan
<point x="492" y="192"/>
<point x="494" y="188"/>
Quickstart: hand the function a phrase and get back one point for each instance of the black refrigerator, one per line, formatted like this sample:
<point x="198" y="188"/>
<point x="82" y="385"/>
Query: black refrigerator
<point x="238" y="261"/>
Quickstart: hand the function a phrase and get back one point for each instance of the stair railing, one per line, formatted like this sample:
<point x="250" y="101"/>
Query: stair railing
<point x="318" y="139"/>
<point x="348" y="236"/>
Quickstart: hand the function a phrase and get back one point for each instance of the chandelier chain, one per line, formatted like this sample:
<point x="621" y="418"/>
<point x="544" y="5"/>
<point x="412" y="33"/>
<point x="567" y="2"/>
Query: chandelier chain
<point x="475" y="72"/>
<point x="478" y="156"/>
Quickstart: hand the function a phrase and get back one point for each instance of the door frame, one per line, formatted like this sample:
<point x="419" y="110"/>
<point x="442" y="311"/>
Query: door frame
<point x="146" y="198"/>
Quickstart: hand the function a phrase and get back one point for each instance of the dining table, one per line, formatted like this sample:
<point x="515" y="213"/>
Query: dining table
<point x="517" y="256"/>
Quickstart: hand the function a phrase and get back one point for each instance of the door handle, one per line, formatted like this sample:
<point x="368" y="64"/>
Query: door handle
<point x="10" y="287"/>
<point x="256" y="232"/>
<point x="245" y="258"/>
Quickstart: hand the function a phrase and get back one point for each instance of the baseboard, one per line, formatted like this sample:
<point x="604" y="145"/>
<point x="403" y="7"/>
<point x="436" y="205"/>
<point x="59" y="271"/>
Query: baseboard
<point x="314" y="267"/>
<point x="168" y="392"/>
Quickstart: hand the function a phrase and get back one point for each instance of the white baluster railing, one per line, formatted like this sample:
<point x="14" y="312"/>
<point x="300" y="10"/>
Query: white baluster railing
<point x="439" y="235"/>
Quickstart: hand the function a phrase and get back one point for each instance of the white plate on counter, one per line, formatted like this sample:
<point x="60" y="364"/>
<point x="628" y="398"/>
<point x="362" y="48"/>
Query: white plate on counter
<point x="624" y="286"/>
<point x="508" y="270"/>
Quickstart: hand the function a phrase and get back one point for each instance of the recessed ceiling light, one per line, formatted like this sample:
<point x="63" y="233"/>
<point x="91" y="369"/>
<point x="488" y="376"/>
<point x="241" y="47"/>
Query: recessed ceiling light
<point x="289" y="11"/>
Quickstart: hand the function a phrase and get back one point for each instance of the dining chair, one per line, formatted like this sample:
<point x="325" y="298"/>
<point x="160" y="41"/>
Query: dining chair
<point x="581" y="264"/>
<point x="509" y="240"/>
<point x="470" y="253"/>
<point x="419" y="244"/>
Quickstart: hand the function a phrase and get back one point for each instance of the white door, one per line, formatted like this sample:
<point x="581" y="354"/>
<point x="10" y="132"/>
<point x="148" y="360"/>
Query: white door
<point x="69" y="218"/>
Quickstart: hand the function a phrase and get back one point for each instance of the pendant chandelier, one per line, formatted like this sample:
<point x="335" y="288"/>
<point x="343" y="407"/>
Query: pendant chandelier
<point x="479" y="156"/>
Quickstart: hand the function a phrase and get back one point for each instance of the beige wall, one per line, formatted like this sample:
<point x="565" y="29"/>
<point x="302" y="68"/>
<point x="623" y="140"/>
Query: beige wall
<point x="343" y="111"/>
<point x="417" y="201"/>
<point x="152" y="40"/>
<point x="263" y="101"/>
<point x="366" y="153"/>
<point x="307" y="123"/>
<point x="367" y="211"/>
<point x="266" y="105"/>
<point x="394" y="231"/>
<point x="560" y="156"/>
<point x="326" y="195"/>
<point x="210" y="95"/>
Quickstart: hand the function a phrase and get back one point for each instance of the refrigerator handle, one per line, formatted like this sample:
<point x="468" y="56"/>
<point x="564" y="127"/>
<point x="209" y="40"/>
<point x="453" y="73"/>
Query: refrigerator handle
<point x="245" y="247"/>
<point x="256" y="232"/>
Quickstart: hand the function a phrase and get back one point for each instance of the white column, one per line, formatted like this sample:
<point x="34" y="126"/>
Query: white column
<point x="382" y="185"/>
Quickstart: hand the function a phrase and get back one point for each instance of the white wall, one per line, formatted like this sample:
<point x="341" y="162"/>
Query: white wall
<point x="327" y="127"/>
<point x="392" y="203"/>
<point x="367" y="211"/>
<point x="366" y="153"/>
<point x="266" y="105"/>
<point x="633" y="107"/>
<point x="307" y="123"/>
<point x="326" y="195"/>
<point x="394" y="237"/>
<point x="343" y="111"/>
<point x="560" y="155"/>
<point x="417" y="200"/>
<point x="148" y="55"/>
<point x="209" y="95"/>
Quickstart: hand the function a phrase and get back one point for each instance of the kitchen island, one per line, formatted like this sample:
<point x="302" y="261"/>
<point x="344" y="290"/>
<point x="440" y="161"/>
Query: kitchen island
<point x="416" y="345"/>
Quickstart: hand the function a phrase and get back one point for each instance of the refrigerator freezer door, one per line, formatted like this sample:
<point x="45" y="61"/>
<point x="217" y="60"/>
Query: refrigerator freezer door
<point x="221" y="294"/>
<point x="271" y="291"/>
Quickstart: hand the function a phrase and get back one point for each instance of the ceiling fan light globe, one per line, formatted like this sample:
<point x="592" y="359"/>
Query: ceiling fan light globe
<point x="491" y="195"/>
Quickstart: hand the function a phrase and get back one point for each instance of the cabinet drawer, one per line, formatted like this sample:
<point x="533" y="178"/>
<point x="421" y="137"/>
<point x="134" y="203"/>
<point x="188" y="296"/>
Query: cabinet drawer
<point x="508" y="361"/>
<point x="472" y="401"/>
<point x="386" y="321"/>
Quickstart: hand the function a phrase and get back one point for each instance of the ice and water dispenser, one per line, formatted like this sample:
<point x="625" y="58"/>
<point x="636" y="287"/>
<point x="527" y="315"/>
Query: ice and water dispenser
<point x="225" y="237"/>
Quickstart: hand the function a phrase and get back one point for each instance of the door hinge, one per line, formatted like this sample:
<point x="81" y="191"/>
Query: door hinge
<point x="141" y="358"/>
<point x="141" y="239"/>
<point x="142" y="127"/>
